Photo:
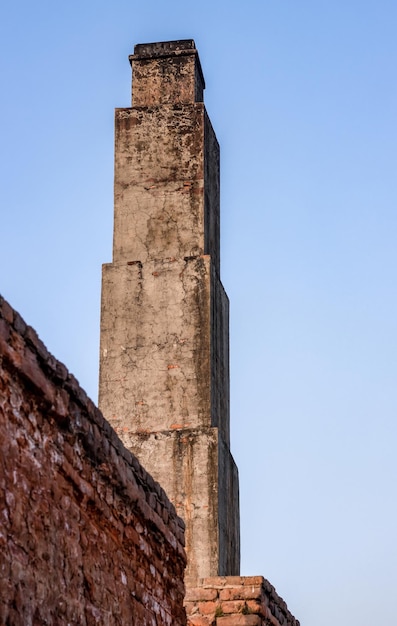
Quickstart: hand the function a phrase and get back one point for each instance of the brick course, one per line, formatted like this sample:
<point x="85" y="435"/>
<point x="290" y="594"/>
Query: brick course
<point x="86" y="535"/>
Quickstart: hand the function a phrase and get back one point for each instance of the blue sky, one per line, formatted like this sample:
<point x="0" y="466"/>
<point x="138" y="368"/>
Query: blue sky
<point x="303" y="98"/>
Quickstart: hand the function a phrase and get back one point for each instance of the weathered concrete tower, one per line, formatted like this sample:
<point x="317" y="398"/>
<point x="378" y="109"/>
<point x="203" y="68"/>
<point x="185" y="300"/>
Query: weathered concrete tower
<point x="164" y="364"/>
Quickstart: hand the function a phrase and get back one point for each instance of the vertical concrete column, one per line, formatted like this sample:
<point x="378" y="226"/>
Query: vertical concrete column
<point x="164" y="362"/>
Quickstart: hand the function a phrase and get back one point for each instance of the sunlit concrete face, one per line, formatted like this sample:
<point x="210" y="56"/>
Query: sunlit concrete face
<point x="164" y="365"/>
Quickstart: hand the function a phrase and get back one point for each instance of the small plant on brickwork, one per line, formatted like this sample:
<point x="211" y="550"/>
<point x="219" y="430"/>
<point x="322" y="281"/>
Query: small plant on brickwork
<point x="218" y="611"/>
<point x="245" y="610"/>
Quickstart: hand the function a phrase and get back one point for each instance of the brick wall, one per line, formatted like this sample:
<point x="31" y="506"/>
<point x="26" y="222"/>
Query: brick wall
<point x="86" y="535"/>
<point x="236" y="601"/>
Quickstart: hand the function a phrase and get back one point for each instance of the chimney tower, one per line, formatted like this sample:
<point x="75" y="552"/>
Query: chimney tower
<point x="164" y="355"/>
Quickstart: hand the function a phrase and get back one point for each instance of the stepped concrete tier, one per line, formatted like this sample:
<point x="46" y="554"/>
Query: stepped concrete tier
<point x="164" y="356"/>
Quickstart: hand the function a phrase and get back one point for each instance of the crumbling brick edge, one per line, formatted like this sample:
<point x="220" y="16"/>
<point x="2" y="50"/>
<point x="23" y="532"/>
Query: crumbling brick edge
<point x="236" y="601"/>
<point x="87" y="447"/>
<point x="59" y="388"/>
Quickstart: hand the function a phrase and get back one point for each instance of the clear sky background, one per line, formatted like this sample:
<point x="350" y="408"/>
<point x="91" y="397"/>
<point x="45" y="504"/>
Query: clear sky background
<point x="303" y="98"/>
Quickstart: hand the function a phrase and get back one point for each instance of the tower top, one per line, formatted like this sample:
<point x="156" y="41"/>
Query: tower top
<point x="167" y="72"/>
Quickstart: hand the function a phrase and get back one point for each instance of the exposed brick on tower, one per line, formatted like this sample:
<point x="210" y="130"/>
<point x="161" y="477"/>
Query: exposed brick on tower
<point x="164" y="360"/>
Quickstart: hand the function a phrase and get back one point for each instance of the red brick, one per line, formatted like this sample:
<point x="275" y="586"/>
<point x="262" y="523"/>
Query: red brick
<point x="201" y="593"/>
<point x="6" y="311"/>
<point x="256" y="607"/>
<point x="199" y="620"/>
<point x="239" y="620"/>
<point x="240" y="593"/>
<point x="4" y="334"/>
<point x="233" y="606"/>
<point x="252" y="580"/>
<point x="207" y="608"/>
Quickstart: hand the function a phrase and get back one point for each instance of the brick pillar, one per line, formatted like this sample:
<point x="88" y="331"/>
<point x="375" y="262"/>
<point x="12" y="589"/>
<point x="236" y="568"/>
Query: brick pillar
<point x="164" y="360"/>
